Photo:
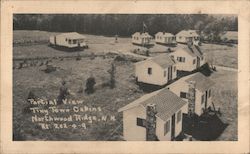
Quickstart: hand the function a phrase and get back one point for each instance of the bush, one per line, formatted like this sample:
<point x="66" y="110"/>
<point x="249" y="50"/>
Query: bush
<point x="78" y="57"/>
<point x="49" y="69"/>
<point x="90" y="85"/>
<point x="63" y="92"/>
<point x="92" y="56"/>
<point x="112" y="76"/>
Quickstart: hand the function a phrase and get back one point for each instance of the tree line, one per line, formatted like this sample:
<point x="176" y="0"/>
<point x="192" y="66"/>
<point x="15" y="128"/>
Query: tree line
<point x="125" y="24"/>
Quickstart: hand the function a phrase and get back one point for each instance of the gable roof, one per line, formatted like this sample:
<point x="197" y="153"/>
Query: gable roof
<point x="164" y="34"/>
<point x="187" y="33"/>
<point x="230" y="35"/>
<point x="167" y="103"/>
<point x="202" y="83"/>
<point x="163" y="60"/>
<point x="145" y="34"/>
<point x="193" y="51"/>
<point x="72" y="35"/>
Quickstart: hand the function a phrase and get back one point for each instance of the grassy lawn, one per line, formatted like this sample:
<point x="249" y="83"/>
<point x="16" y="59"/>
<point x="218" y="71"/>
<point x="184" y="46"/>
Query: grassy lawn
<point x="75" y="73"/>
<point x="222" y="55"/>
<point x="225" y="94"/>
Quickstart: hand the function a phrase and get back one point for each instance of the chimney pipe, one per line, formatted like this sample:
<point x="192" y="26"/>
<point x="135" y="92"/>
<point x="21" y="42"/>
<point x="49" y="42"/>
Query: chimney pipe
<point x="191" y="98"/>
<point x="151" y="122"/>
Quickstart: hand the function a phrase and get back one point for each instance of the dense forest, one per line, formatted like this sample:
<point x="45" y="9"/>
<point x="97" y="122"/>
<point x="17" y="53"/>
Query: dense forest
<point x="125" y="24"/>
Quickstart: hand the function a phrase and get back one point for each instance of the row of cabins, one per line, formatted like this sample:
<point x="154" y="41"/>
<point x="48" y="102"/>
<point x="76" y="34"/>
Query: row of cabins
<point x="159" y="115"/>
<point x="183" y="36"/>
<point x="76" y="40"/>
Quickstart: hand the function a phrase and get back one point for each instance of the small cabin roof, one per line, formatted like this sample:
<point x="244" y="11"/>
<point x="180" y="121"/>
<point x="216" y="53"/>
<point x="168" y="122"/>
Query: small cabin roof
<point x="145" y="34"/>
<point x="72" y="35"/>
<point x="167" y="103"/>
<point x="164" y="60"/>
<point x="193" y="50"/>
<point x="187" y="33"/>
<point x="230" y="35"/>
<point x="202" y="83"/>
<point x="164" y="34"/>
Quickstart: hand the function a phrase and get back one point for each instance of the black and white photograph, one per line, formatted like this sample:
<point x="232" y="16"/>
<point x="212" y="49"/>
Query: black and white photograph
<point x="125" y="77"/>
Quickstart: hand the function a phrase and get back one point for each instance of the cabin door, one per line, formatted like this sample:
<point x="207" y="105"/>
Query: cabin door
<point x="173" y="127"/>
<point x="170" y="75"/>
<point x="206" y="100"/>
<point x="198" y="62"/>
<point x="166" y="40"/>
<point x="55" y="40"/>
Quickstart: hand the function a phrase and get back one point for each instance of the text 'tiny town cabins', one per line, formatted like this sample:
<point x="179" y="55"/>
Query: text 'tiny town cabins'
<point x="143" y="39"/>
<point x="158" y="70"/>
<point x="196" y="89"/>
<point x="188" y="58"/>
<point x="186" y="36"/>
<point x="68" y="40"/>
<point x="165" y="38"/>
<point x="154" y="116"/>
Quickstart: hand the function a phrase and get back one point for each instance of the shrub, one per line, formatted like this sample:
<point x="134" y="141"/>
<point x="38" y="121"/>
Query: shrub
<point x="90" y="83"/>
<point x="92" y="56"/>
<point x="63" y="92"/>
<point x="49" y="69"/>
<point x="112" y="76"/>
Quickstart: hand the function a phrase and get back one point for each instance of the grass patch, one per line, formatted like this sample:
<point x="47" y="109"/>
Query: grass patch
<point x="47" y="86"/>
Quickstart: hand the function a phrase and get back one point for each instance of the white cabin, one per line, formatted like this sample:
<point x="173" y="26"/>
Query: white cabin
<point x="203" y="90"/>
<point x="186" y="36"/>
<point x="165" y="38"/>
<point x="167" y="116"/>
<point x="143" y="39"/>
<point x="157" y="70"/>
<point x="68" y="40"/>
<point x="188" y="58"/>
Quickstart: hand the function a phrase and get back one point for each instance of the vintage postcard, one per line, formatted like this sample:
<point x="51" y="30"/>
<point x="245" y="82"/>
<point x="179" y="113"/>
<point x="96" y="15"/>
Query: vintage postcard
<point x="127" y="77"/>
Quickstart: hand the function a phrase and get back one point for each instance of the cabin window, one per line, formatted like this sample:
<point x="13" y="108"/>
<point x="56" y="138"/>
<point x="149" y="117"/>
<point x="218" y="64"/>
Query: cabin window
<point x="179" y="116"/>
<point x="165" y="73"/>
<point x="181" y="59"/>
<point x="183" y="95"/>
<point x="179" y="37"/>
<point x="140" y="122"/>
<point x="149" y="70"/>
<point x="166" y="127"/>
<point x="66" y="39"/>
<point x="202" y="99"/>
<point x="69" y="41"/>
<point x="74" y="41"/>
<point x="194" y="61"/>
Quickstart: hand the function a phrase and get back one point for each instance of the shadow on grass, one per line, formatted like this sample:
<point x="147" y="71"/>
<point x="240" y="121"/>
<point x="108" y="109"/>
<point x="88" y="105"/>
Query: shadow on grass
<point x="203" y="128"/>
<point x="65" y="49"/>
<point x="204" y="69"/>
<point x="148" y="88"/>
